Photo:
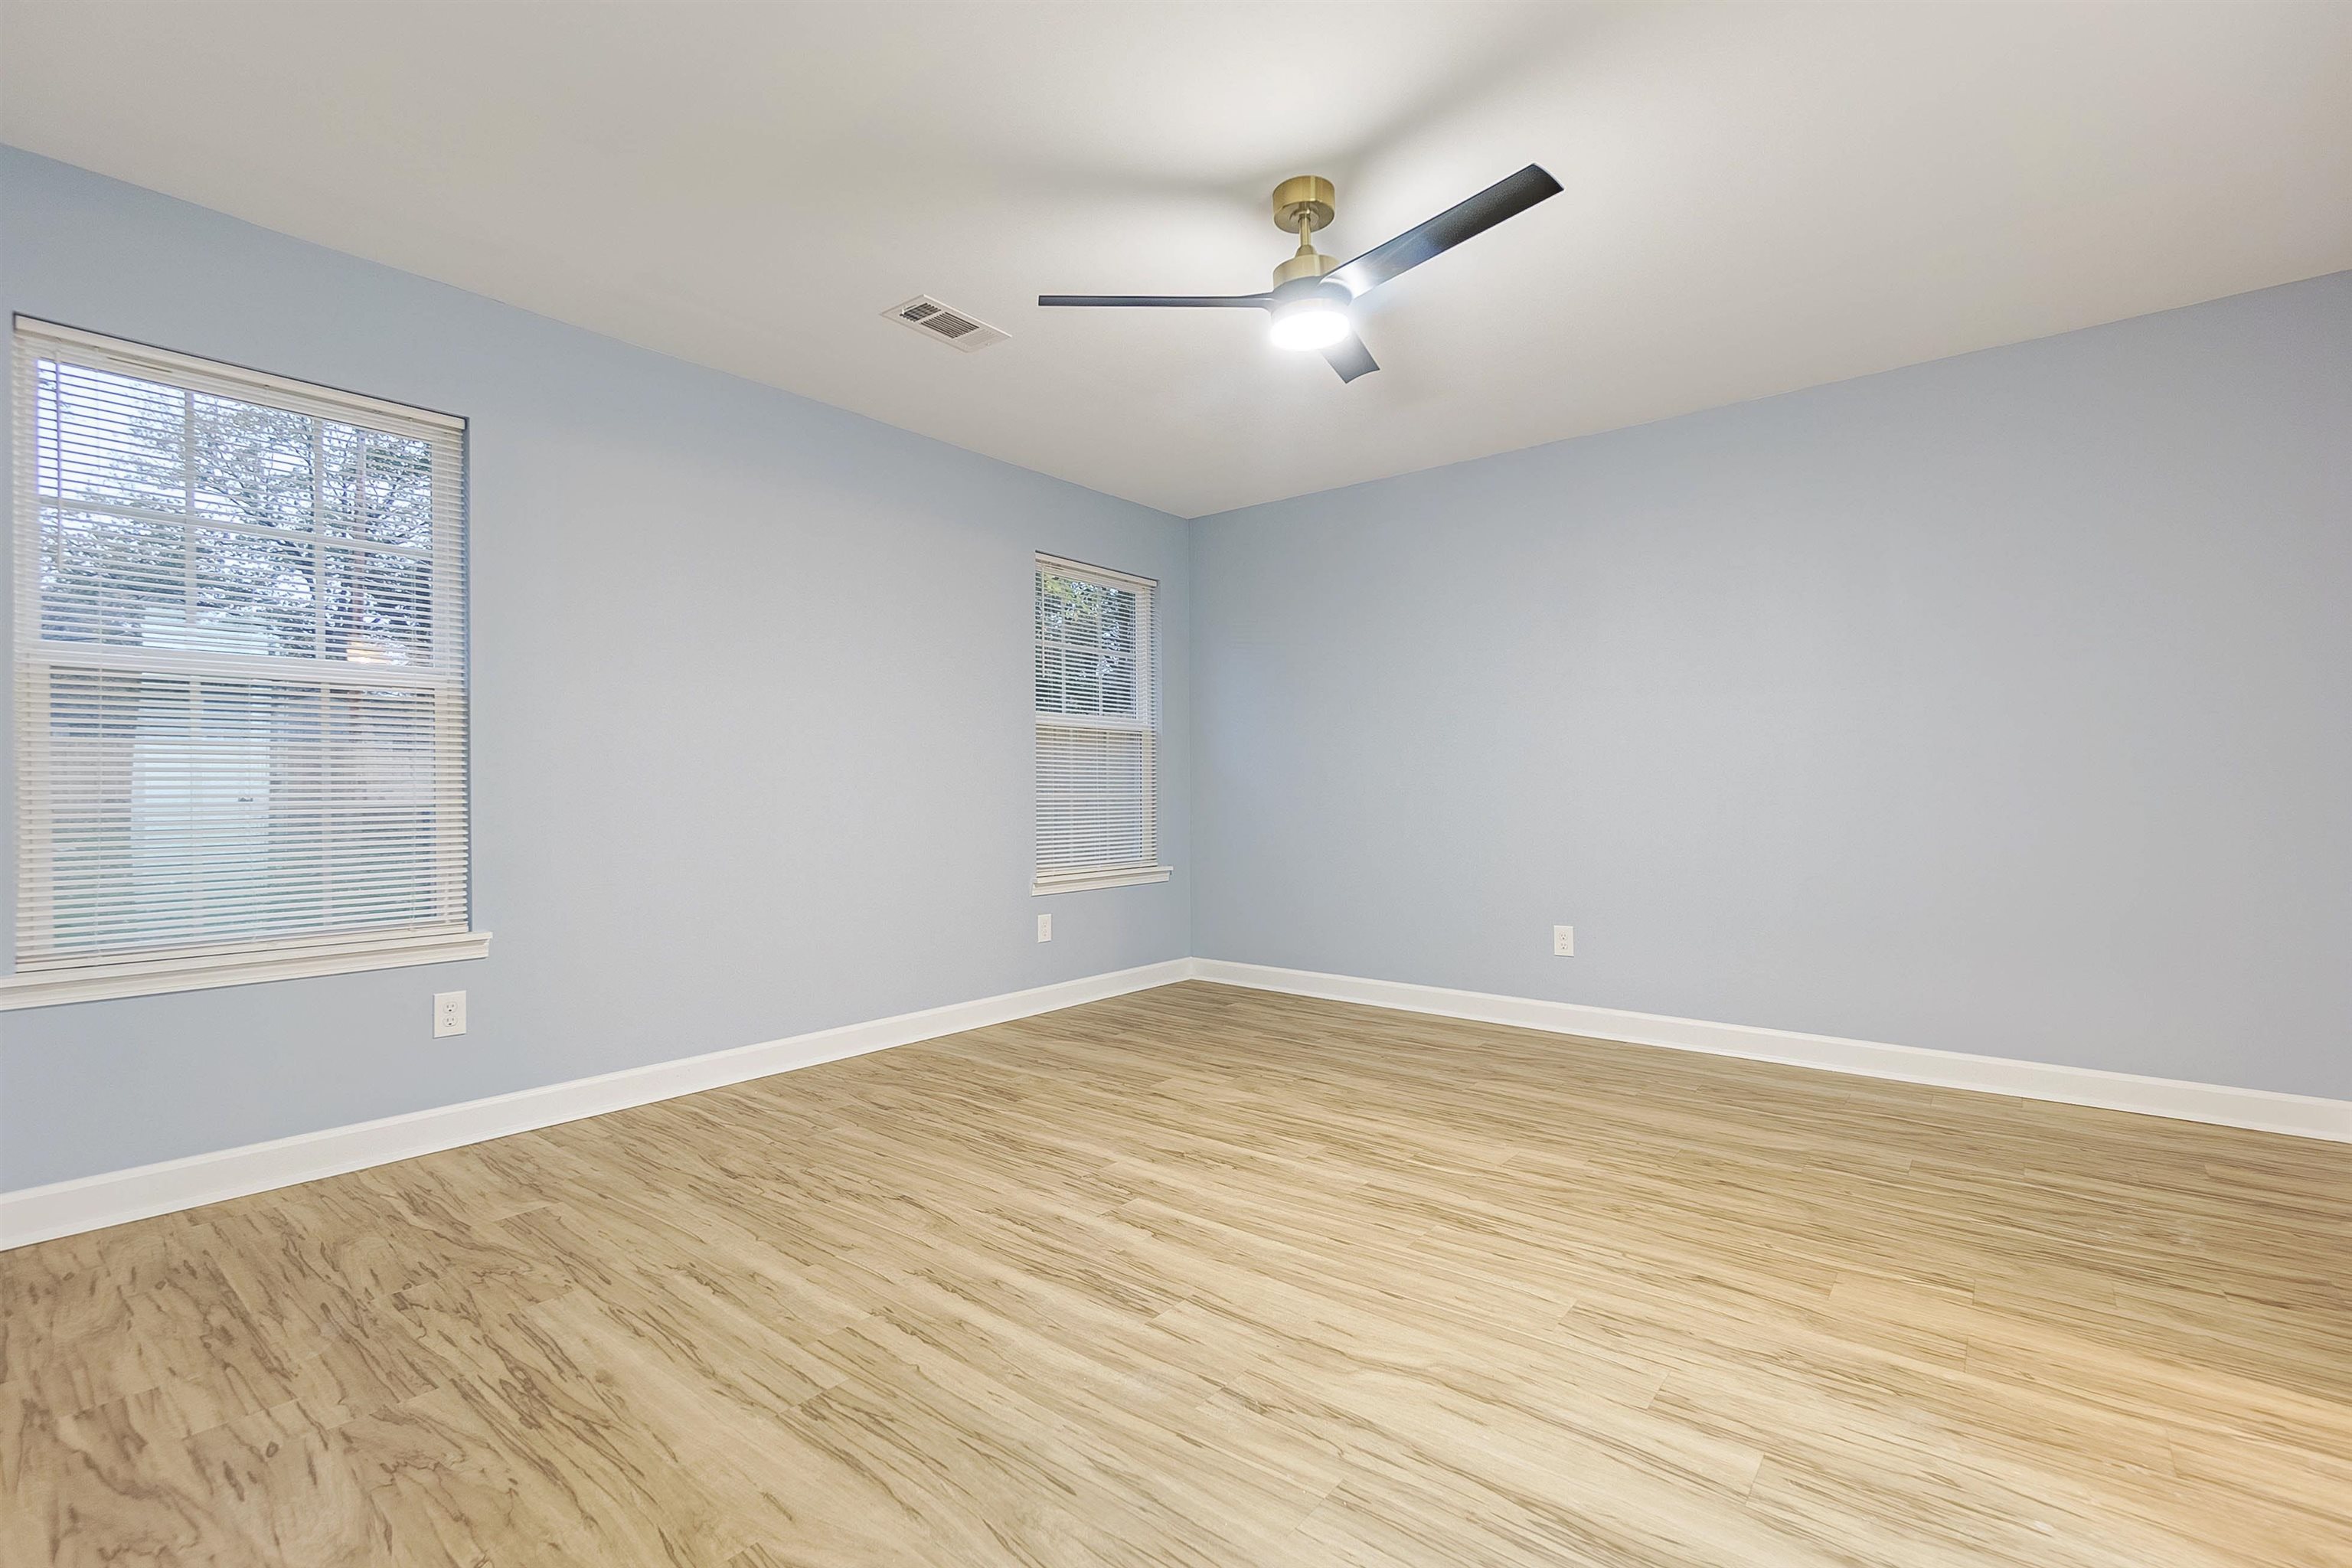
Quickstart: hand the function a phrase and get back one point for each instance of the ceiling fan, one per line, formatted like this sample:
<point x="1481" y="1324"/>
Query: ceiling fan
<point x="1311" y="292"/>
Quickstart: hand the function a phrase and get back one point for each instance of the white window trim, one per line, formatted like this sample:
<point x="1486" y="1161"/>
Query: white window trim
<point x="202" y="972"/>
<point x="237" y="381"/>
<point x="1082" y="879"/>
<point x="1079" y="882"/>
<point x="243" y="963"/>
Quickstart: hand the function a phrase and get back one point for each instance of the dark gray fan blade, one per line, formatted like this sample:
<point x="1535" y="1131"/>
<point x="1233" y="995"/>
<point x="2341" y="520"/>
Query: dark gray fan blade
<point x="1192" y="301"/>
<point x="1350" y="358"/>
<point x="1503" y="198"/>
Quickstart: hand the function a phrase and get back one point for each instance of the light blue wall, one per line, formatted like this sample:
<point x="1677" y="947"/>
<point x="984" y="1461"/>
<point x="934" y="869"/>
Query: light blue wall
<point x="2002" y="705"/>
<point x="751" y="737"/>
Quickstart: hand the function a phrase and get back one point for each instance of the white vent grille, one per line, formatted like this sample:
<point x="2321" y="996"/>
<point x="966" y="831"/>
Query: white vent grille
<point x="933" y="320"/>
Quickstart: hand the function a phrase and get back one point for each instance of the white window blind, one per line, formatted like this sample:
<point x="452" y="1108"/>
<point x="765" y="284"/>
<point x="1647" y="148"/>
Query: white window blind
<point x="1098" y="728"/>
<point x="240" y="673"/>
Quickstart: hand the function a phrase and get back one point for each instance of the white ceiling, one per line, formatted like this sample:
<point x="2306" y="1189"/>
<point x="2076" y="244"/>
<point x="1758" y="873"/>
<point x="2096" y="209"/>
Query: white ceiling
<point x="1759" y="197"/>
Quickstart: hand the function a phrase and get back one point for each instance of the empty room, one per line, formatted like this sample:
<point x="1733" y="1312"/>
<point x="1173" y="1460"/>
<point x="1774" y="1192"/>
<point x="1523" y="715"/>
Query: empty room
<point x="1178" y="785"/>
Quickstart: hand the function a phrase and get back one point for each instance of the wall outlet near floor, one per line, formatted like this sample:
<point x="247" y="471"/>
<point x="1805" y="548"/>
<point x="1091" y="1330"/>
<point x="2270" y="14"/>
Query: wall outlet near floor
<point x="1563" y="942"/>
<point x="1045" y="927"/>
<point x="449" y="1012"/>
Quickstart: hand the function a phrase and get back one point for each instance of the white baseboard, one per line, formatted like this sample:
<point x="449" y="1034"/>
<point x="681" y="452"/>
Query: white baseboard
<point x="114" y="1197"/>
<point x="2304" y="1116"/>
<point x="93" y="1203"/>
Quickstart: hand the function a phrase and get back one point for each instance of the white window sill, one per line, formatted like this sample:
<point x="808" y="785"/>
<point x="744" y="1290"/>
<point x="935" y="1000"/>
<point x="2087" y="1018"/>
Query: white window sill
<point x="142" y="977"/>
<point x="1077" y="882"/>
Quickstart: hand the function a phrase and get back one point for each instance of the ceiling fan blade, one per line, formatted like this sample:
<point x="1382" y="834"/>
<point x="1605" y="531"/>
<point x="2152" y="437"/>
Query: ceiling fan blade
<point x="1350" y="358"/>
<point x="1193" y="301"/>
<point x="1503" y="198"/>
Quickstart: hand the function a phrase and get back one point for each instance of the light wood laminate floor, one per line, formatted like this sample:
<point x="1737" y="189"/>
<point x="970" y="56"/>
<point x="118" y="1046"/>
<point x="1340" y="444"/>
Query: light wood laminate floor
<point x="1210" y="1277"/>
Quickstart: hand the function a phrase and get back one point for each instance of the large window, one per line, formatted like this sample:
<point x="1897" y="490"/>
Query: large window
<point x="1097" y="723"/>
<point x="240" y="673"/>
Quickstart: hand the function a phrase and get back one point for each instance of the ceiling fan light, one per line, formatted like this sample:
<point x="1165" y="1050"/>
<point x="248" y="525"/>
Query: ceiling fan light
<point x="1314" y="323"/>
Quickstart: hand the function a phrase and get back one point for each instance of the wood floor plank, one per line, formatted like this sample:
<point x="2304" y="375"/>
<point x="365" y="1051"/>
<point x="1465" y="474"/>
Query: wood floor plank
<point x="1204" y="1276"/>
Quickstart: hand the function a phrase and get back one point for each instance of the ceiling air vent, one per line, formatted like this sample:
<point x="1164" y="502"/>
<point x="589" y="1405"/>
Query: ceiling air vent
<point x="933" y="320"/>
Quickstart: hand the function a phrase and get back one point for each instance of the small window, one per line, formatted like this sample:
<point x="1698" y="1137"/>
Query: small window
<point x="240" y="670"/>
<point x="1097" y="730"/>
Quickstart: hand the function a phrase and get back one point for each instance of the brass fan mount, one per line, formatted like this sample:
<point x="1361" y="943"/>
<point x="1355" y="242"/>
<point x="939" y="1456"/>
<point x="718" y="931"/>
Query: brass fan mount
<point x="1302" y="204"/>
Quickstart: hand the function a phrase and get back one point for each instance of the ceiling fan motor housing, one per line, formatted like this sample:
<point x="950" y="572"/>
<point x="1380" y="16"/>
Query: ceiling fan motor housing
<point x="1305" y="264"/>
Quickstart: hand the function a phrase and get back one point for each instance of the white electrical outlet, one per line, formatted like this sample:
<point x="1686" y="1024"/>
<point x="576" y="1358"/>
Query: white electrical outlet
<point x="1563" y="942"/>
<point x="449" y="1012"/>
<point x="1045" y="927"/>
